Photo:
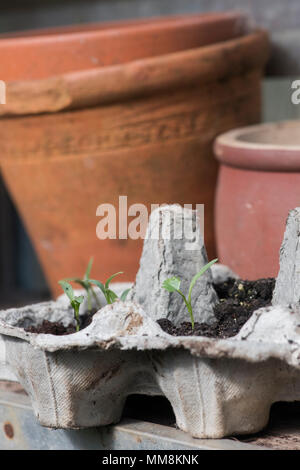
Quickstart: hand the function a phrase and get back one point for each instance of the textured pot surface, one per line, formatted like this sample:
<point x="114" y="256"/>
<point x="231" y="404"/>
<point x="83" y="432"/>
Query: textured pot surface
<point x="149" y="138"/>
<point x="259" y="182"/>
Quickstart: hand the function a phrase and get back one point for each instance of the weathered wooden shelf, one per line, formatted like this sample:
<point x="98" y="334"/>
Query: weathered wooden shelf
<point x="19" y="430"/>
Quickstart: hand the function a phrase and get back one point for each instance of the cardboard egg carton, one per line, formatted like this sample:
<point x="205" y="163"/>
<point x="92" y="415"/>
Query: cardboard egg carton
<point x="217" y="387"/>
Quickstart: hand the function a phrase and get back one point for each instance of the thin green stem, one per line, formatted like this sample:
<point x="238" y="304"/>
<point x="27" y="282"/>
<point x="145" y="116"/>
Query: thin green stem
<point x="76" y="315"/>
<point x="107" y="298"/>
<point x="189" y="307"/>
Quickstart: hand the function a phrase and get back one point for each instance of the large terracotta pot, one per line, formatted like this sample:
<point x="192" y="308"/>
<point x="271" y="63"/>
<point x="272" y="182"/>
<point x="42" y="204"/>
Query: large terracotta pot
<point x="42" y="53"/>
<point x="259" y="182"/>
<point x="129" y="112"/>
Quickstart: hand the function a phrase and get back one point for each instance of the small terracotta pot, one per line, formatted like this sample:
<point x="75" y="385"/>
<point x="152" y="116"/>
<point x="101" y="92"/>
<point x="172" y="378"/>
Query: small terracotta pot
<point x="133" y="109"/>
<point x="259" y="182"/>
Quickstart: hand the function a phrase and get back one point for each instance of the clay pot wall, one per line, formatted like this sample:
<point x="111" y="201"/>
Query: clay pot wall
<point x="259" y="183"/>
<point x="82" y="129"/>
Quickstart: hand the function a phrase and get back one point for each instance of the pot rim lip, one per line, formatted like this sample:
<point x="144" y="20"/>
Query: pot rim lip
<point x="168" y="22"/>
<point x="97" y="86"/>
<point x="232" y="149"/>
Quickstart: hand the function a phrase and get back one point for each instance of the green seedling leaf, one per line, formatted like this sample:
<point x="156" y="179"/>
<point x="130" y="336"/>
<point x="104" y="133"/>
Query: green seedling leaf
<point x="67" y="288"/>
<point x="111" y="296"/>
<point x="111" y="278"/>
<point x="172" y="284"/>
<point x="83" y="283"/>
<point x="75" y="301"/>
<point x="86" y="284"/>
<point x="79" y="299"/>
<point x="199" y="274"/>
<point x="124" y="295"/>
<point x="98" y="284"/>
<point x="88" y="269"/>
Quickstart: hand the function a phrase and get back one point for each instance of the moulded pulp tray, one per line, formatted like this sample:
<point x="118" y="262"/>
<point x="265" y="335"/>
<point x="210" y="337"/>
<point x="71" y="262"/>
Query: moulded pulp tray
<point x="216" y="387"/>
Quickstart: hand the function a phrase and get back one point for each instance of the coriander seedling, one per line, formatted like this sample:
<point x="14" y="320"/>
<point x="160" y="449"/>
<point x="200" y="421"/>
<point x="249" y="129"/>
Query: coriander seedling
<point x="110" y="296"/>
<point x="74" y="300"/>
<point x="173" y="285"/>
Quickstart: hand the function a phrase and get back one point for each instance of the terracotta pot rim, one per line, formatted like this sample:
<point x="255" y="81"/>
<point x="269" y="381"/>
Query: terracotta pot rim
<point x="116" y="27"/>
<point x="250" y="147"/>
<point x="40" y="54"/>
<point x="104" y="85"/>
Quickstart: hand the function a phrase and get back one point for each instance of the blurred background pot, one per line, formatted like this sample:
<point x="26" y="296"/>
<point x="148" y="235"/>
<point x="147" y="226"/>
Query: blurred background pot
<point x="42" y="53"/>
<point x="133" y="110"/>
<point x="259" y="182"/>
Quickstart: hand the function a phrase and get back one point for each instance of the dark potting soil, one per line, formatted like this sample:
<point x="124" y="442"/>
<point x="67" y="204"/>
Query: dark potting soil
<point x="238" y="300"/>
<point x="58" y="329"/>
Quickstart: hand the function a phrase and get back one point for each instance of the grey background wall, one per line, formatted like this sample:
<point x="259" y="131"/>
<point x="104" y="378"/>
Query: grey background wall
<point x="280" y="17"/>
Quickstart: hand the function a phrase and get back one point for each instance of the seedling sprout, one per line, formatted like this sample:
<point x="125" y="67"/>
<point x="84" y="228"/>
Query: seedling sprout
<point x="173" y="285"/>
<point x="87" y="285"/>
<point x="110" y="296"/>
<point x="74" y="300"/>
